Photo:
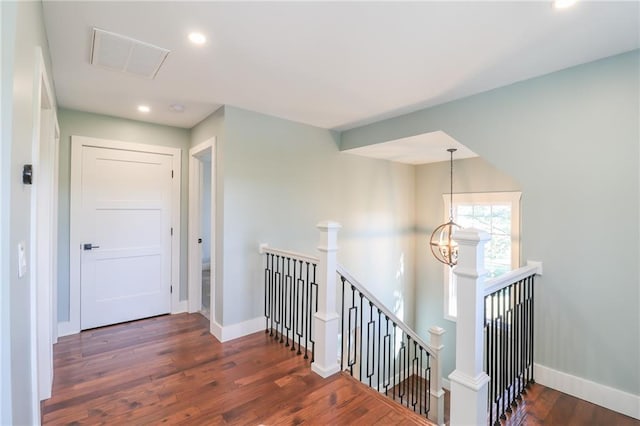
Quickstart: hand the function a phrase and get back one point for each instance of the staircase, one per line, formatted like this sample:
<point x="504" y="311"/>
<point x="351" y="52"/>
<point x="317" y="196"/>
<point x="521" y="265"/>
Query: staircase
<point x="315" y="307"/>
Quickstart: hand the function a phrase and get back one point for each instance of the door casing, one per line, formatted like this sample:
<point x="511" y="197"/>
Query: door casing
<point x="205" y="150"/>
<point x="77" y="142"/>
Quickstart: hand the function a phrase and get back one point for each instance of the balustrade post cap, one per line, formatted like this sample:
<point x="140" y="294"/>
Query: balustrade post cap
<point x="328" y="224"/>
<point x="470" y="235"/>
<point x="437" y="330"/>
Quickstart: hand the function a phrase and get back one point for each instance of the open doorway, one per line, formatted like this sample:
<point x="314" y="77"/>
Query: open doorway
<point x="202" y="229"/>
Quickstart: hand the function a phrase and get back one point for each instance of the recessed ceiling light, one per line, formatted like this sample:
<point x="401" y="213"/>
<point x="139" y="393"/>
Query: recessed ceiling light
<point x="563" y="4"/>
<point x="176" y="107"/>
<point x="143" y="108"/>
<point x="197" y="38"/>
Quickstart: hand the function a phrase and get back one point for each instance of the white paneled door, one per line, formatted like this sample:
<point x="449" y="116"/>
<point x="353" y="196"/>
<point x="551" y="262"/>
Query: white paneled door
<point x="125" y="231"/>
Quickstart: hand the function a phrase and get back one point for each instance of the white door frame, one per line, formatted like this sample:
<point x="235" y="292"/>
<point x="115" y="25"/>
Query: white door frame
<point x="43" y="245"/>
<point x="207" y="150"/>
<point x="77" y="142"/>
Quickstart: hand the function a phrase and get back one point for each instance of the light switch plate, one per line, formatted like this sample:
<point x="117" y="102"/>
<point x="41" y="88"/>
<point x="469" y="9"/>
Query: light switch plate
<point x="22" y="260"/>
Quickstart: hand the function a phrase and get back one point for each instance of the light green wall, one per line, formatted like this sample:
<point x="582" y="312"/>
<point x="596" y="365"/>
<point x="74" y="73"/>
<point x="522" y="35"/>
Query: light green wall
<point x="29" y="34"/>
<point x="76" y="123"/>
<point x="280" y="179"/>
<point x="7" y="44"/>
<point x="571" y="139"/>
<point x="432" y="180"/>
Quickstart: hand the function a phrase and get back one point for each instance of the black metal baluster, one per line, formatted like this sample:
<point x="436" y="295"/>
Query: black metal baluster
<point x="393" y="372"/>
<point x="297" y="278"/>
<point x="531" y="329"/>
<point x="314" y="295"/>
<point x="488" y="315"/>
<point x="371" y="344"/>
<point x="267" y="313"/>
<point x="380" y="348"/>
<point x="407" y="368"/>
<point x="361" y="332"/>
<point x="288" y="301"/>
<point x="414" y="377"/>
<point x="342" y="333"/>
<point x="503" y="369"/>
<point x="386" y="353"/>
<point x="353" y="328"/>
<point x="306" y="307"/>
<point x="401" y="370"/>
<point x="277" y="297"/>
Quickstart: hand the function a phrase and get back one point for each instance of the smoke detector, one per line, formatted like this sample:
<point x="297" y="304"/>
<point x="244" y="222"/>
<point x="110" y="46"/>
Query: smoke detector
<point x="125" y="54"/>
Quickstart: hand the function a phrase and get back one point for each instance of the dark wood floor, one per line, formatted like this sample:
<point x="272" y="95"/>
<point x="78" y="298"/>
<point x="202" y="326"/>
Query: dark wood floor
<point x="171" y="370"/>
<point x="545" y="406"/>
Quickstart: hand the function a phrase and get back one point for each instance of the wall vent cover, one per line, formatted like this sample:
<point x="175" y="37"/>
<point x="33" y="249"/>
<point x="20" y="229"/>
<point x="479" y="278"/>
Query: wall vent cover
<point x="125" y="54"/>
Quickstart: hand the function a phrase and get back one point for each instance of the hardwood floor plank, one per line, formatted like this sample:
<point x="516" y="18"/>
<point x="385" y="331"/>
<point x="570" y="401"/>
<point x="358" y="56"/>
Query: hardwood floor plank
<point x="170" y="370"/>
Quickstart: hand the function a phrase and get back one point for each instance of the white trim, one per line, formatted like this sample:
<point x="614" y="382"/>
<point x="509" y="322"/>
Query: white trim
<point x="512" y="197"/>
<point x="605" y="396"/>
<point x="234" y="331"/>
<point x="498" y="283"/>
<point x="446" y="384"/>
<point x="77" y="142"/>
<point x="194" y="301"/>
<point x="43" y="247"/>
<point x="66" y="328"/>
<point x="264" y="248"/>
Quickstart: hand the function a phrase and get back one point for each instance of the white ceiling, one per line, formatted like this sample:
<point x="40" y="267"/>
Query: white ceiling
<point x="420" y="149"/>
<point x="333" y="65"/>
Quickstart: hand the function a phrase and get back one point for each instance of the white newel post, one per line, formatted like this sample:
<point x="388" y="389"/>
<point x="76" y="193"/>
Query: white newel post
<point x="469" y="381"/>
<point x="436" y="391"/>
<point x="325" y="321"/>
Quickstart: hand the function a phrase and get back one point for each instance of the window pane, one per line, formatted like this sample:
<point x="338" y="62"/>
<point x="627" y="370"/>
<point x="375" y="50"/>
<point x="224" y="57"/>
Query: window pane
<point x="465" y="209"/>
<point x="501" y="219"/>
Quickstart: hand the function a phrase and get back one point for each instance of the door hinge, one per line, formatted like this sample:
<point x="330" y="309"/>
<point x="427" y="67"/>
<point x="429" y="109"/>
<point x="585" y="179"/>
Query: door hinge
<point x="171" y="174"/>
<point x="172" y="230"/>
<point x="171" y="289"/>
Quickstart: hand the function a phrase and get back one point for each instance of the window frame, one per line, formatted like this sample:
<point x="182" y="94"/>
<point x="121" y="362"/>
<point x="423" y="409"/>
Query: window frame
<point x="486" y="198"/>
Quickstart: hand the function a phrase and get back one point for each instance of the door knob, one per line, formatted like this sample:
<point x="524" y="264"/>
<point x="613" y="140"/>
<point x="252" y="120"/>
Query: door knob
<point x="199" y="240"/>
<point x="89" y="246"/>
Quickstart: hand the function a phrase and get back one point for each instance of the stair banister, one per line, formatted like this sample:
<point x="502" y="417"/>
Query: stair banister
<point x="362" y="289"/>
<point x="326" y="319"/>
<point x="469" y="390"/>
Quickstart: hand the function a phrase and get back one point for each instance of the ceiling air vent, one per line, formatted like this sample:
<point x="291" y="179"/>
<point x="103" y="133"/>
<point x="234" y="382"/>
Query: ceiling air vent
<point x="125" y="54"/>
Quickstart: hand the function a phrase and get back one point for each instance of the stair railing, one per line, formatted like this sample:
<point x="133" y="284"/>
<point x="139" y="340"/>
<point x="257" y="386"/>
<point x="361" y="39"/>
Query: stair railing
<point x="301" y="312"/>
<point x="380" y="350"/>
<point x="494" y="335"/>
<point x="508" y="331"/>
<point x="290" y="298"/>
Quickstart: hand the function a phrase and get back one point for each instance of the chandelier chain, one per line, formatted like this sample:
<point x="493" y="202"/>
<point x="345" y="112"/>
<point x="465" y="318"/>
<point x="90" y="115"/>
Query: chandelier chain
<point x="451" y="151"/>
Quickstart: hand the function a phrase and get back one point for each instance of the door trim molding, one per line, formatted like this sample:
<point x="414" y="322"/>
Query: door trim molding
<point x="194" y="263"/>
<point x="77" y="142"/>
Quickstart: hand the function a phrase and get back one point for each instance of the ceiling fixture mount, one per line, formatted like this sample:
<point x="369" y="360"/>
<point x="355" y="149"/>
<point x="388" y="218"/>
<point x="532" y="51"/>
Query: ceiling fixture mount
<point x="197" y="38"/>
<point x="144" y="108"/>
<point x="563" y="4"/>
<point x="443" y="247"/>
<point x="176" y="107"/>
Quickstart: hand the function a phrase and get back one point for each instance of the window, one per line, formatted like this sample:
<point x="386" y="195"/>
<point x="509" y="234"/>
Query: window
<point x="496" y="213"/>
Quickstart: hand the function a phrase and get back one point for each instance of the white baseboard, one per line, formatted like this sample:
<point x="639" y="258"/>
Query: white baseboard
<point x="230" y="332"/>
<point x="605" y="396"/>
<point x="446" y="384"/>
<point x="66" y="328"/>
<point x="180" y="307"/>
